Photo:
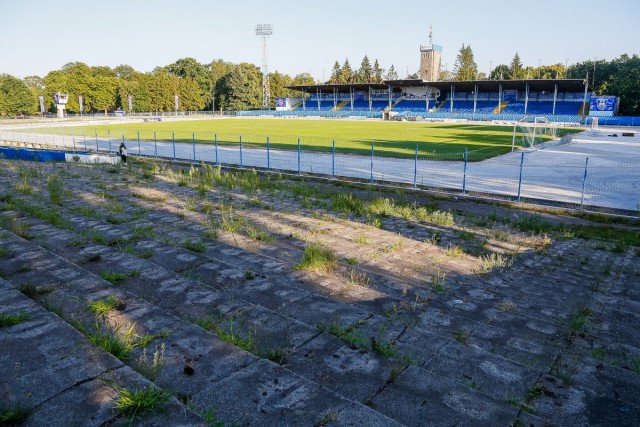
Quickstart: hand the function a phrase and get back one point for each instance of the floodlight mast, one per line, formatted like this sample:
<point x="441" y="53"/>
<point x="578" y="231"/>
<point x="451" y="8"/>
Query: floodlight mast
<point x="264" y="31"/>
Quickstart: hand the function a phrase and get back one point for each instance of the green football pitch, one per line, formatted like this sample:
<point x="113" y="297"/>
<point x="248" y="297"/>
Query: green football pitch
<point x="396" y="139"/>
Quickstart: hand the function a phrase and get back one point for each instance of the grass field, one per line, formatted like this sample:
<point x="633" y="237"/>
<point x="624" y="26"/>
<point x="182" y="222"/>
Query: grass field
<point x="397" y="139"/>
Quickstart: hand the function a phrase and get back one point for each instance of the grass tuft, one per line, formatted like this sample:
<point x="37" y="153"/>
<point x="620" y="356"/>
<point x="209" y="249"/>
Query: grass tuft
<point x="13" y="319"/>
<point x="316" y="258"/>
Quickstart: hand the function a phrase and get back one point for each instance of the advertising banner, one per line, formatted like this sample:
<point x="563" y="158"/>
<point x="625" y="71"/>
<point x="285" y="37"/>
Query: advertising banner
<point x="281" y="104"/>
<point x="603" y="105"/>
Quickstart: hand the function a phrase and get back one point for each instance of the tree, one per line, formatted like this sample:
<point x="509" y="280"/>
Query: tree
<point x="303" y="79"/>
<point x="15" y="96"/>
<point x="556" y="71"/>
<point x="277" y="83"/>
<point x="191" y="98"/>
<point x="465" y="67"/>
<point x="217" y="70"/>
<point x="391" y="74"/>
<point x="365" y="73"/>
<point x="124" y="71"/>
<point x="516" y="69"/>
<point x="346" y="72"/>
<point x="102" y="93"/>
<point x="624" y="75"/>
<point x="190" y="68"/>
<point x="377" y="72"/>
<point x="336" y="74"/>
<point x="501" y="72"/>
<point x="242" y="87"/>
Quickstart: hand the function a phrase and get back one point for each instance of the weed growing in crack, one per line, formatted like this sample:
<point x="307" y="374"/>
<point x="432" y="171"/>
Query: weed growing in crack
<point x="350" y="334"/>
<point x="13" y="319"/>
<point x="103" y="306"/>
<point x="151" y="368"/>
<point x="358" y="279"/>
<point x="361" y="239"/>
<point x="438" y="282"/>
<point x="137" y="402"/>
<point x="462" y="337"/>
<point x="316" y="258"/>
<point x="491" y="262"/>
<point x="54" y="185"/>
<point x="580" y="320"/>
<point x="454" y="251"/>
<point x="245" y="342"/>
<point x="507" y="305"/>
<point x="116" y="341"/>
<point x="143" y="231"/>
<point x="25" y="268"/>
<point x="13" y="415"/>
<point x="199" y="246"/>
<point x="117" y="278"/>
<point x="32" y="291"/>
<point x="146" y="253"/>
<point x="54" y="306"/>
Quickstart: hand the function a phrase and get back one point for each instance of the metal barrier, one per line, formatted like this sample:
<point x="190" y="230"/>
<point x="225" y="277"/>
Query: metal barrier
<point x="523" y="175"/>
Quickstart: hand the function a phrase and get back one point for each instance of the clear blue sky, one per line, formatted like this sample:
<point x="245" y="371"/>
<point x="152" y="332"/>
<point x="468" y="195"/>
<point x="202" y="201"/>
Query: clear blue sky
<point x="309" y="36"/>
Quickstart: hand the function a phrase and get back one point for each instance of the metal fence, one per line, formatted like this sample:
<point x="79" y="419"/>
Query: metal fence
<point x="534" y="176"/>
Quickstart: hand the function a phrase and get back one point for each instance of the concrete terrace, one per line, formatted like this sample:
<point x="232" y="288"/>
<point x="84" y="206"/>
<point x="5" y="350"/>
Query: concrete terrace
<point x="429" y="311"/>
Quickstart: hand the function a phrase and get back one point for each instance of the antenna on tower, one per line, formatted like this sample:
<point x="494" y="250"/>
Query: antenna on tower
<point x="430" y="34"/>
<point x="264" y="31"/>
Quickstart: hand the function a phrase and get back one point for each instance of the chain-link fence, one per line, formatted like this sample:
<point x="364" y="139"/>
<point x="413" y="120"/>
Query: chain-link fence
<point x="536" y="176"/>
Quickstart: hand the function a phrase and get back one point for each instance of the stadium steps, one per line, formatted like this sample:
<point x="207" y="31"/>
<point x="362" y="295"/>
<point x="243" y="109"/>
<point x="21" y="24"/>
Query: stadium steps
<point x="167" y="291"/>
<point x="162" y="300"/>
<point x="48" y="363"/>
<point x="440" y="105"/>
<point x="340" y="106"/>
<point x="500" y="107"/>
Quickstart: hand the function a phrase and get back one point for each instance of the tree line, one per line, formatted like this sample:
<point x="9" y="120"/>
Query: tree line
<point x="217" y="85"/>
<point x="221" y="85"/>
<point x="619" y="77"/>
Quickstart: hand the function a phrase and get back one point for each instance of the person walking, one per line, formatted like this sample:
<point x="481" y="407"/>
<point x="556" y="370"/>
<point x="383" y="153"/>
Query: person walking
<point x="123" y="153"/>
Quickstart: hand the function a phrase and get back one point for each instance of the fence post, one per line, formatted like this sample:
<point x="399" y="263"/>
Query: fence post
<point x="268" y="156"/>
<point x="139" y="151"/>
<point x="520" y="176"/>
<point x="298" y="156"/>
<point x="415" y="170"/>
<point x="108" y="138"/>
<point x="97" y="148"/>
<point x="215" y="144"/>
<point x="193" y="142"/>
<point x="371" y="181"/>
<point x="584" y="182"/>
<point x="333" y="158"/>
<point x="84" y="138"/>
<point x="464" y="172"/>
<point x="73" y="136"/>
<point x="155" y="144"/>
<point x="513" y="139"/>
<point x="62" y="134"/>
<point x="241" y="165"/>
<point x="173" y="138"/>
<point x="123" y="136"/>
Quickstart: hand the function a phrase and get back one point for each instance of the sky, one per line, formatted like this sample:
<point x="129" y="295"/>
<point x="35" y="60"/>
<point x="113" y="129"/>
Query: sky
<point x="309" y="36"/>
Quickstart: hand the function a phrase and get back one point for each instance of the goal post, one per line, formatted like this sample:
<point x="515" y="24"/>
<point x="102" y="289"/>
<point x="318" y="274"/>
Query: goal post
<point x="528" y="134"/>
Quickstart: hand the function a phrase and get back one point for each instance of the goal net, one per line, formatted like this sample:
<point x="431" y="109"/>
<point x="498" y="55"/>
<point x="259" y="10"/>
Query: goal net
<point x="529" y="134"/>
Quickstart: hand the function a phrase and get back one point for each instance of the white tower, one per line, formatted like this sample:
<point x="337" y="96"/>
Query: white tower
<point x="264" y="31"/>
<point x="60" y="100"/>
